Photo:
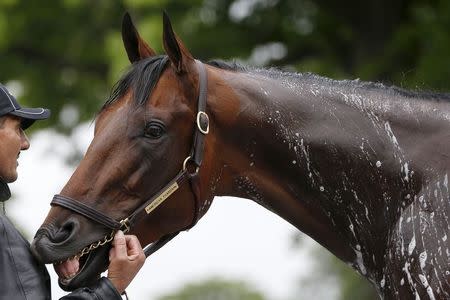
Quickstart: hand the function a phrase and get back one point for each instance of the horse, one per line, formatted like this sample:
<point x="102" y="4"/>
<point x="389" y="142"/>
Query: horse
<point x="360" y="167"/>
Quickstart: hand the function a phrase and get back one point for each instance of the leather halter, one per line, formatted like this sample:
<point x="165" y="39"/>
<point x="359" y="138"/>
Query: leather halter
<point x="195" y="158"/>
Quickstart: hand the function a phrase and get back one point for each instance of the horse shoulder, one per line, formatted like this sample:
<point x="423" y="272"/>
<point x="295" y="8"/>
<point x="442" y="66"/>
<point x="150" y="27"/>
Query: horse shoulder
<point x="418" y="252"/>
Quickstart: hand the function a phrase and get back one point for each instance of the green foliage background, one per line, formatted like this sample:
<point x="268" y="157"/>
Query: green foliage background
<point x="70" y="52"/>
<point x="215" y="289"/>
<point x="67" y="54"/>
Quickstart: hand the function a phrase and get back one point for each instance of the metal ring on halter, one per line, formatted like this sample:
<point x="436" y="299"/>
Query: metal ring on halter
<point x="185" y="163"/>
<point x="199" y="114"/>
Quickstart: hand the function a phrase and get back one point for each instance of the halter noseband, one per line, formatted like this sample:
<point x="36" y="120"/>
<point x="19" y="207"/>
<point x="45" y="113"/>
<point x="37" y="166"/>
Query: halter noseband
<point x="195" y="158"/>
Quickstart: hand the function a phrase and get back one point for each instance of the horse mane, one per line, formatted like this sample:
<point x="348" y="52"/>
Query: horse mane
<point x="224" y="65"/>
<point x="296" y="77"/>
<point x="141" y="77"/>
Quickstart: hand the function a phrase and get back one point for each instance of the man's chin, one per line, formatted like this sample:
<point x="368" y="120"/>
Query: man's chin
<point x="9" y="178"/>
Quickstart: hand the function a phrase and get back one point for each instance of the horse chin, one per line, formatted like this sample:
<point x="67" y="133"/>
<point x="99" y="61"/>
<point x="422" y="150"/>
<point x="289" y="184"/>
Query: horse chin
<point x="90" y="268"/>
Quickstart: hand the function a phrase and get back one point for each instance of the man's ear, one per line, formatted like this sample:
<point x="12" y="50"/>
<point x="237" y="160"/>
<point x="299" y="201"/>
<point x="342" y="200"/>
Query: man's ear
<point x="178" y="54"/>
<point x="136" y="47"/>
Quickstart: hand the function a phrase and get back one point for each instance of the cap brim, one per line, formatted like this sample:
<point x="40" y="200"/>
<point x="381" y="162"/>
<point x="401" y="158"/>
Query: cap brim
<point x="29" y="115"/>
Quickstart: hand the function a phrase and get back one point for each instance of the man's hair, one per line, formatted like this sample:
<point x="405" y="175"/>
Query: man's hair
<point x="2" y="120"/>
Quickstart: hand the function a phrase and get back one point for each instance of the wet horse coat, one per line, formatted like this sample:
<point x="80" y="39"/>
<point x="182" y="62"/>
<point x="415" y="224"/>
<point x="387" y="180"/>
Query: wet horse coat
<point x="360" y="167"/>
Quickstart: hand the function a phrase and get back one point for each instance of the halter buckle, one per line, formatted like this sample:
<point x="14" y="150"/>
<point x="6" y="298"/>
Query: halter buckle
<point x="201" y="114"/>
<point x="125" y="225"/>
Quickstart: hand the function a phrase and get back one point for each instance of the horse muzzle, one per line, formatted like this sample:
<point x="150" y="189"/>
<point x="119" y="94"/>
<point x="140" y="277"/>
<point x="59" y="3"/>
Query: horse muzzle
<point x="61" y="247"/>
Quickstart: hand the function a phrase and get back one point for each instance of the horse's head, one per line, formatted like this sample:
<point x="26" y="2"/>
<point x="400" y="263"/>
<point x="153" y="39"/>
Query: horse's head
<point x="144" y="135"/>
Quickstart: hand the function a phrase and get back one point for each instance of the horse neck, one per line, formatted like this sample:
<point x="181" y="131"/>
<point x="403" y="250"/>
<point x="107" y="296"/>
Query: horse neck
<point x="316" y="153"/>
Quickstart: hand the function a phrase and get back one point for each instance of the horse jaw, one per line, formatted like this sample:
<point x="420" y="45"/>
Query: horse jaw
<point x="89" y="270"/>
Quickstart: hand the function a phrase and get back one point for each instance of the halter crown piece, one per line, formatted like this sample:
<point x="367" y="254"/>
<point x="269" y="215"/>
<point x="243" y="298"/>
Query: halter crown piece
<point x="195" y="158"/>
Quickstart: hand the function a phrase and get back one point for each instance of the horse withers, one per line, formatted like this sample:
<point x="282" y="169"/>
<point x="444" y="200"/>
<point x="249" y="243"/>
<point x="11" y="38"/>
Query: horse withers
<point x="360" y="167"/>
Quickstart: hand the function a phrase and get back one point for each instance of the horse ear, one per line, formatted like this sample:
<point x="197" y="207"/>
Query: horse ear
<point x="136" y="47"/>
<point x="175" y="49"/>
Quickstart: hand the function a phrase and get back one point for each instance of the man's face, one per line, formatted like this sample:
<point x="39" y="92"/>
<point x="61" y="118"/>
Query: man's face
<point x="12" y="141"/>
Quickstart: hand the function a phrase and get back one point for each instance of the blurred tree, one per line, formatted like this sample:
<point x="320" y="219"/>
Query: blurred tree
<point x="215" y="289"/>
<point x="55" y="51"/>
<point x="67" y="54"/>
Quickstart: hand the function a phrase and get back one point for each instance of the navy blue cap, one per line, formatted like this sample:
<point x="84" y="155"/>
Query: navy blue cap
<point x="10" y="106"/>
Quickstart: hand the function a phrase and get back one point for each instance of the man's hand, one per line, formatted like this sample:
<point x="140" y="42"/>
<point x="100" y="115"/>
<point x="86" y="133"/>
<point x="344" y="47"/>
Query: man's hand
<point x="126" y="258"/>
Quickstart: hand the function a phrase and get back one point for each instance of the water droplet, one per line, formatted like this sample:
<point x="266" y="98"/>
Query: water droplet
<point x="382" y="282"/>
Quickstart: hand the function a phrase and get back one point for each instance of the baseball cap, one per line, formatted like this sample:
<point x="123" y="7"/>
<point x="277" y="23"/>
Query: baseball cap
<point x="9" y="105"/>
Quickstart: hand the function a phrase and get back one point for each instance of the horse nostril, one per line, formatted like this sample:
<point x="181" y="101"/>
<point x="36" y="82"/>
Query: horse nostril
<point x="65" y="231"/>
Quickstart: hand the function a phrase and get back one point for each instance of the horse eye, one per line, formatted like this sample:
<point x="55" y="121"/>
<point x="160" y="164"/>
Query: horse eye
<point x="154" y="130"/>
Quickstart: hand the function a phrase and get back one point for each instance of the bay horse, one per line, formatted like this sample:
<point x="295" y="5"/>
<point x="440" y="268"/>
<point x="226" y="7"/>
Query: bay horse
<point x="360" y="167"/>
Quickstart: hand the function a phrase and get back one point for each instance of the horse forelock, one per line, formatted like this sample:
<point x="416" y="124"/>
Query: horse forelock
<point x="141" y="78"/>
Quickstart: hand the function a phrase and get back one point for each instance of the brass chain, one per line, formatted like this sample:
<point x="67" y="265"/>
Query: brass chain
<point x="125" y="227"/>
<point x="108" y="238"/>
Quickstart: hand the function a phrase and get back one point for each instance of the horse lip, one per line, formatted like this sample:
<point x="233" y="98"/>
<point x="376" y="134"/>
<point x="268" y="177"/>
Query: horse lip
<point x="95" y="260"/>
<point x="65" y="284"/>
<point x="39" y="251"/>
<point x="47" y="252"/>
<point x="44" y="250"/>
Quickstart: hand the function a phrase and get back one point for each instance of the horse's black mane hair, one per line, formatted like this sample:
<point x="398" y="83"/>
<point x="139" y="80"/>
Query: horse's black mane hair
<point x="368" y="85"/>
<point x="144" y="74"/>
<point x="141" y="78"/>
<point x="233" y="66"/>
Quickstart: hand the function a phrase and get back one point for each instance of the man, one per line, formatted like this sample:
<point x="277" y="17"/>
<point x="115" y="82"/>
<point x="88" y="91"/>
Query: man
<point x="22" y="276"/>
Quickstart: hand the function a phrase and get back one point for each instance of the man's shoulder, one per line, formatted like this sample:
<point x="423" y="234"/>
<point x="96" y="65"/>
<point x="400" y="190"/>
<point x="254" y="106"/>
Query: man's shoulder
<point x="10" y="232"/>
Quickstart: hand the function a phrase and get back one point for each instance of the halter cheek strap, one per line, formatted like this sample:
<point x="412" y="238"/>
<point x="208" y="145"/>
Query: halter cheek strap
<point x="195" y="158"/>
